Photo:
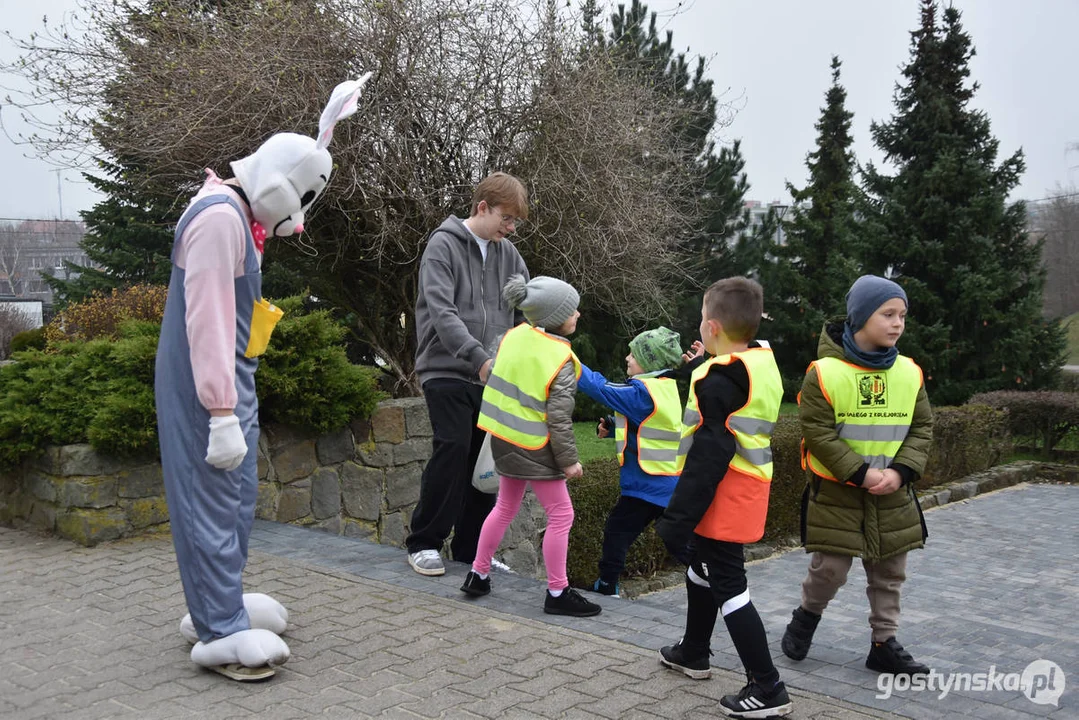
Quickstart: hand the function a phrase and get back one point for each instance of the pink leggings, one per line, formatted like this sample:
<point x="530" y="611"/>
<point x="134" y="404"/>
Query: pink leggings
<point x="554" y="497"/>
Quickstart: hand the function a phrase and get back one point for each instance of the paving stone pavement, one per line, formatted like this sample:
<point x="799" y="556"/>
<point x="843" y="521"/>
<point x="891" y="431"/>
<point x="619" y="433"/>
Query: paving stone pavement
<point x="92" y="632"/>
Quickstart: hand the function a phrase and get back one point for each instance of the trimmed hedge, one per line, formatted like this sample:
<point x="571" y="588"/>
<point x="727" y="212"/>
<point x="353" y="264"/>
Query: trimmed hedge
<point x="1045" y="415"/>
<point x="29" y="340"/>
<point x="966" y="440"/>
<point x="102" y="391"/>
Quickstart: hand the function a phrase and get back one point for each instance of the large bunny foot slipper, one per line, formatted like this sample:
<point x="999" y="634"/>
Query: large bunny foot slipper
<point x="245" y="656"/>
<point x="264" y="612"/>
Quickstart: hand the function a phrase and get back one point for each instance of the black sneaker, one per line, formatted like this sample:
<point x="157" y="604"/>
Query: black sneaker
<point x="606" y="588"/>
<point x="799" y="633"/>
<point x="570" y="602"/>
<point x="753" y="702"/>
<point x="890" y="657"/>
<point x="676" y="658"/>
<point x="475" y="585"/>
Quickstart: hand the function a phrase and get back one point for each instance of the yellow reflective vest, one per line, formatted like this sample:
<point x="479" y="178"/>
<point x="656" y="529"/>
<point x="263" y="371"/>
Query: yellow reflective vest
<point x="739" y="508"/>
<point x="514" y="406"/>
<point x="659" y="436"/>
<point x="873" y="408"/>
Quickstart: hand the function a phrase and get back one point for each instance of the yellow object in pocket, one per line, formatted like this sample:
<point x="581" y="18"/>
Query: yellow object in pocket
<point x="264" y="318"/>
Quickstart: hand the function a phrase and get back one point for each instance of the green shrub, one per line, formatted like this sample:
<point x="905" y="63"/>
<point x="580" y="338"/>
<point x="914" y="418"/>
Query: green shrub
<point x="100" y="316"/>
<point x="1067" y="382"/>
<point x="1046" y="416"/>
<point x="28" y="340"/>
<point x="966" y="439"/>
<point x="102" y="391"/>
<point x="99" y="392"/>
<point x="305" y="378"/>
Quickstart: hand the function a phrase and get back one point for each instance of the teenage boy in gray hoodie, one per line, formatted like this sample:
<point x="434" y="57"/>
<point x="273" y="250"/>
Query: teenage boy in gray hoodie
<point x="459" y="313"/>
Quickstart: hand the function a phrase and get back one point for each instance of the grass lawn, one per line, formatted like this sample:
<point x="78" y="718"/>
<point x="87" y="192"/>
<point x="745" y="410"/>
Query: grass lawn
<point x="1072" y="326"/>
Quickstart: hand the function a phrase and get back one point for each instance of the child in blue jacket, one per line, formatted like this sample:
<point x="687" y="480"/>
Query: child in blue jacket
<point x="647" y="426"/>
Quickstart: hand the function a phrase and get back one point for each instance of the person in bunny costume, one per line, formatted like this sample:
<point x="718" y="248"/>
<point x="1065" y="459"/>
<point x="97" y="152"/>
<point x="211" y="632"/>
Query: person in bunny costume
<point x="216" y="324"/>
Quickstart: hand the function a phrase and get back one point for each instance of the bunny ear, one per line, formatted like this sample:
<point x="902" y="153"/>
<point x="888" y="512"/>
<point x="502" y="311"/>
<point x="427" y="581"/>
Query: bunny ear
<point x="343" y="102"/>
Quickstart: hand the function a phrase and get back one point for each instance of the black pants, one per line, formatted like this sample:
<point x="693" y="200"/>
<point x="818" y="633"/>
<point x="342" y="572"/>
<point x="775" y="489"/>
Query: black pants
<point x="627" y="520"/>
<point x="447" y="499"/>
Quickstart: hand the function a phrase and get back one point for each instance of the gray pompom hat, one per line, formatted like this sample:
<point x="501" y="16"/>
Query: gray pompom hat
<point x="546" y="302"/>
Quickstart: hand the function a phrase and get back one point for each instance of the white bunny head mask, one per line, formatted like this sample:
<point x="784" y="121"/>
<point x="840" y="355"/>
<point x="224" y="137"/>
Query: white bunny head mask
<point x="284" y="176"/>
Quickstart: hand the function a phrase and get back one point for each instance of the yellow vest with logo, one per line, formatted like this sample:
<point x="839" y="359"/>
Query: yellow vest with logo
<point x="659" y="436"/>
<point x="514" y="405"/>
<point x="873" y="408"/>
<point x="753" y="423"/>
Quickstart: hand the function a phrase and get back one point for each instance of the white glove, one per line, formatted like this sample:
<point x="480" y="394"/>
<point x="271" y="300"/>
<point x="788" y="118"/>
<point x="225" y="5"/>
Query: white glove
<point x="227" y="448"/>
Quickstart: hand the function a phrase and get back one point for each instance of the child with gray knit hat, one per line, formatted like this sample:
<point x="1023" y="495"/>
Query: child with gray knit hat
<point x="866" y="464"/>
<point x="528" y="410"/>
<point x="647" y="423"/>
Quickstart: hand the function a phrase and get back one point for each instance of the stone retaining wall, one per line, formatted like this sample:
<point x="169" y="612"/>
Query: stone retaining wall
<point x="360" y="481"/>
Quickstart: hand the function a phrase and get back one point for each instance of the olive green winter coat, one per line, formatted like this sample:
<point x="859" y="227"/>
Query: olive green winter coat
<point x="845" y="519"/>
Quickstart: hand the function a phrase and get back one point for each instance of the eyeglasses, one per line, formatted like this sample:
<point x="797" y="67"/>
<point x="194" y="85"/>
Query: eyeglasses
<point x="507" y="219"/>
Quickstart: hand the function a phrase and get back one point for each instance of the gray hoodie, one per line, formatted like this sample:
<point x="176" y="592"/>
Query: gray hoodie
<point x="459" y="305"/>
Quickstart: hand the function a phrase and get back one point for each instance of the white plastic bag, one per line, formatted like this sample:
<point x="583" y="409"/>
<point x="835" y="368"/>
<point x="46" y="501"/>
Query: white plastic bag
<point x="484" y="476"/>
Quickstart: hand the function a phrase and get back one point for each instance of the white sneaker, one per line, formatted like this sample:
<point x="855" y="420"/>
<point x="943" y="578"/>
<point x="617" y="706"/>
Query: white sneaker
<point x="427" y="562"/>
<point x="501" y="566"/>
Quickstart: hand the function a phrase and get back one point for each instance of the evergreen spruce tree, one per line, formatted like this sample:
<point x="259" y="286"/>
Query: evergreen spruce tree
<point x="944" y="229"/>
<point x="807" y="277"/>
<point x="128" y="238"/>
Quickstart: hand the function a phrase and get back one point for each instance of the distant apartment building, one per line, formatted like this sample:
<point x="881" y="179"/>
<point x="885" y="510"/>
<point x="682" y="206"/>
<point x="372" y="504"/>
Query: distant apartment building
<point x="31" y="249"/>
<point x="758" y="213"/>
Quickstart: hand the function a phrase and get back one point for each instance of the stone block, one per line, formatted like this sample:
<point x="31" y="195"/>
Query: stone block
<point x="375" y="454"/>
<point x="280" y="436"/>
<point x="325" y="494"/>
<point x="358" y="529"/>
<point x="927" y="502"/>
<point x="292" y="462"/>
<point x="84" y="460"/>
<point x="523" y="559"/>
<point x="142" y="482"/>
<point x="146" y="511"/>
<point x="417" y="420"/>
<point x="963" y="490"/>
<point x="42" y="515"/>
<point x="943" y="497"/>
<point x="294" y="502"/>
<point x="266" y="503"/>
<point x="330" y="525"/>
<point x="361" y="430"/>
<point x="393" y="529"/>
<point x="403" y="485"/>
<point x="42" y="487"/>
<point x="91" y="526"/>
<point x="49" y="460"/>
<point x="335" y="447"/>
<point x="412" y="450"/>
<point x="361" y="491"/>
<point x="91" y="492"/>
<point x="388" y="423"/>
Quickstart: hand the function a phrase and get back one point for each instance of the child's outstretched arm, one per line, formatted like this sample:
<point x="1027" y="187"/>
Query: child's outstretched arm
<point x="631" y="399"/>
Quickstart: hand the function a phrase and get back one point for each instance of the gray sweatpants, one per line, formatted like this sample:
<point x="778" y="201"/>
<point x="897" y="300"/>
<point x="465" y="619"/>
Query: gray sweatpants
<point x="828" y="573"/>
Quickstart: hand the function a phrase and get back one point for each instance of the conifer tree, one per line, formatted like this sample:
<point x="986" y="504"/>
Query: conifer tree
<point x="807" y="277"/>
<point x="942" y="226"/>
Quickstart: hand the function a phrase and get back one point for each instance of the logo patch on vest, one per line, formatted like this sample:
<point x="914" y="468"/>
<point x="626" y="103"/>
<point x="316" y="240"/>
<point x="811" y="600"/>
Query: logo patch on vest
<point x="872" y="390"/>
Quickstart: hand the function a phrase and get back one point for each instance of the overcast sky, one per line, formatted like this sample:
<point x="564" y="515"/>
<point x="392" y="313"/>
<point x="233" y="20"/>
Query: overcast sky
<point x="770" y="60"/>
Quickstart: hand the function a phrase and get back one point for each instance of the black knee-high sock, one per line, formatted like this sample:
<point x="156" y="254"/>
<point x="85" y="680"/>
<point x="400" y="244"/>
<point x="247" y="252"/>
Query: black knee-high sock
<point x="700" y="619"/>
<point x="751" y="642"/>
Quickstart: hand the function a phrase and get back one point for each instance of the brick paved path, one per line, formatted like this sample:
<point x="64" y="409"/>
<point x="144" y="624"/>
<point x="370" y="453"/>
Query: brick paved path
<point x="91" y="633"/>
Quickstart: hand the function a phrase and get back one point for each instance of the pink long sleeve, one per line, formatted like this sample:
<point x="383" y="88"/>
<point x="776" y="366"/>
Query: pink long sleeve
<point x="211" y="252"/>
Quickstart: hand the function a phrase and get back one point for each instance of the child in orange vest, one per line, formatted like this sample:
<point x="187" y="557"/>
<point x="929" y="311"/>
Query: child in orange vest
<point x="721" y="499"/>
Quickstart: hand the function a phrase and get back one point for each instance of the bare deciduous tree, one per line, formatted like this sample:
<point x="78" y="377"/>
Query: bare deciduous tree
<point x="1056" y="222"/>
<point x="461" y="88"/>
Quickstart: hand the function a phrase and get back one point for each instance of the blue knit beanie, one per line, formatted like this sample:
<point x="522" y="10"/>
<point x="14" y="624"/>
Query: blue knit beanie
<point x="867" y="294"/>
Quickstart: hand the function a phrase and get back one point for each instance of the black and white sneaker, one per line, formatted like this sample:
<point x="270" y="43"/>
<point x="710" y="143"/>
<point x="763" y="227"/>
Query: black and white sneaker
<point x="571" y="603"/>
<point x="676" y="658"/>
<point x="754" y="702"/>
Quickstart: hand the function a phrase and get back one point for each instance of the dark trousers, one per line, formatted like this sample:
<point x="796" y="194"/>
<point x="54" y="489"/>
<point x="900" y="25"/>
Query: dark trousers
<point x="716" y="583"/>
<point x="627" y="520"/>
<point x="447" y="499"/>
